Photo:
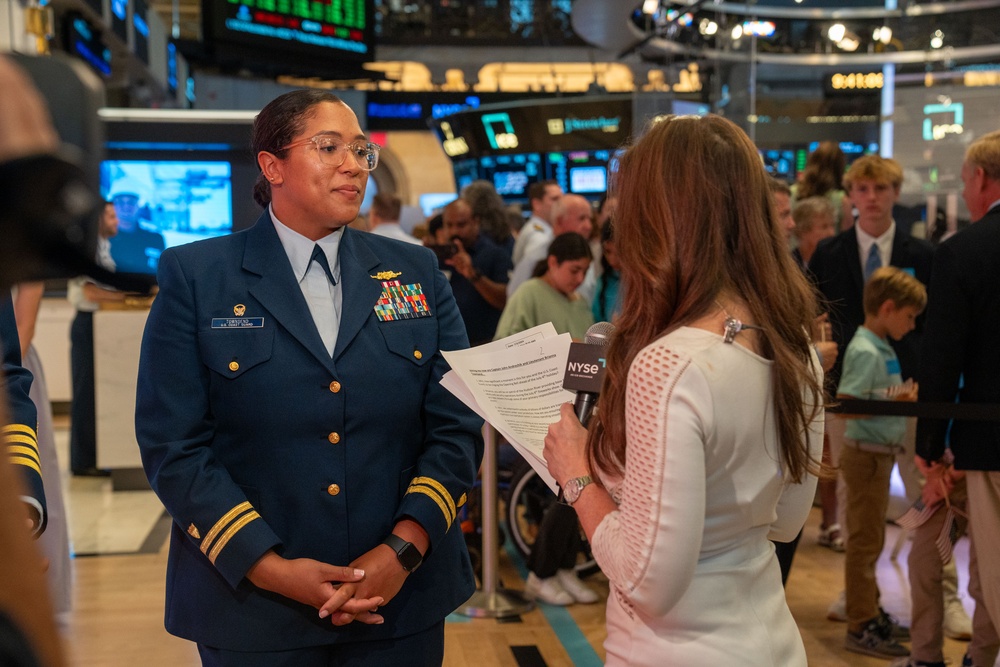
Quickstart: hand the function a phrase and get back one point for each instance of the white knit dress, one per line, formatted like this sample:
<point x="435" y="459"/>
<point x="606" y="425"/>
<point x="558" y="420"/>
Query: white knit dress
<point x="694" y="579"/>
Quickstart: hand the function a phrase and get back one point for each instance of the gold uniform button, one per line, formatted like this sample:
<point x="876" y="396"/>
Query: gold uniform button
<point x="335" y="386"/>
<point x="333" y="489"/>
<point x="334" y="438"/>
<point x="417" y="354"/>
<point x="233" y="366"/>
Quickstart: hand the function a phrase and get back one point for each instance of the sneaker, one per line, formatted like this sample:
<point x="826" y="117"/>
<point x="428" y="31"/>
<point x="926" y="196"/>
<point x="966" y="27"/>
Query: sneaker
<point x="579" y="590"/>
<point x="957" y="624"/>
<point x="875" y="640"/>
<point x="547" y="590"/>
<point x="837" y="611"/>
<point x="910" y="662"/>
<point x="896" y="631"/>
<point x="831" y="538"/>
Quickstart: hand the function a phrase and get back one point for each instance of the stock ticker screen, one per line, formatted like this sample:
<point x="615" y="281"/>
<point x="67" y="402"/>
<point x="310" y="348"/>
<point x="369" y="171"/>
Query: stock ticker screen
<point x="312" y="34"/>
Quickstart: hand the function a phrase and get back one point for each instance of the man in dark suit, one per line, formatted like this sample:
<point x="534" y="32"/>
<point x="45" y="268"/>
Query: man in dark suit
<point x="291" y="418"/>
<point x="961" y="361"/>
<point x="841" y="265"/>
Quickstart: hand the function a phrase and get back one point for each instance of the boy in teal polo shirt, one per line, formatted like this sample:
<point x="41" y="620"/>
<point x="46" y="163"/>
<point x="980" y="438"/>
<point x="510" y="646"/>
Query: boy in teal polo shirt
<point x="892" y="300"/>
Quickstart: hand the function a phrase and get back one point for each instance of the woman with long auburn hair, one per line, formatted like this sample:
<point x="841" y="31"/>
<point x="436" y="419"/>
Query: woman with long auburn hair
<point x="709" y="428"/>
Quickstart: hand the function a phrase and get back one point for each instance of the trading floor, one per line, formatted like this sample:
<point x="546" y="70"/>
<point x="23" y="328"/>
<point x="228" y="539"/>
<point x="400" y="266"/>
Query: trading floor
<point x="120" y="542"/>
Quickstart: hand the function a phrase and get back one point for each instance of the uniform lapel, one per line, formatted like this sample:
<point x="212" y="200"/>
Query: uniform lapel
<point x="360" y="289"/>
<point x="276" y="289"/>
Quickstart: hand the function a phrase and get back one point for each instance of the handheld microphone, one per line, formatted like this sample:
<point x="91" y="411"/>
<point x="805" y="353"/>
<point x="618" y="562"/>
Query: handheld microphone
<point x="585" y="369"/>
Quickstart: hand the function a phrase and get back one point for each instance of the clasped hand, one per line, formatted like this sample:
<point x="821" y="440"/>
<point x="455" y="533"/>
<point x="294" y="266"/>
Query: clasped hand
<point x="346" y="594"/>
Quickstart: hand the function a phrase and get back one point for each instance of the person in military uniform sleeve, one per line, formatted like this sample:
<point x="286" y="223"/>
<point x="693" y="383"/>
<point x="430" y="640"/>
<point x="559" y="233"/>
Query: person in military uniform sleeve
<point x="290" y="417"/>
<point x="19" y="435"/>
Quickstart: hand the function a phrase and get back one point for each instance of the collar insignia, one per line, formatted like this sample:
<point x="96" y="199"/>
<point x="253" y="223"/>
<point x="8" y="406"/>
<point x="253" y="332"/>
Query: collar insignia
<point x="386" y="275"/>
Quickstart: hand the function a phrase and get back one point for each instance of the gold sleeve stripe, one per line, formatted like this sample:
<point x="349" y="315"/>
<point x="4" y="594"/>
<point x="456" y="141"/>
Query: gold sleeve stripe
<point x="23" y="439"/>
<point x="19" y="428"/>
<point x="439" y="487"/>
<point x="230" y="534"/>
<point x="26" y="452"/>
<point x="435" y="497"/>
<point x="461" y="501"/>
<point x="28" y="463"/>
<point x="222" y="523"/>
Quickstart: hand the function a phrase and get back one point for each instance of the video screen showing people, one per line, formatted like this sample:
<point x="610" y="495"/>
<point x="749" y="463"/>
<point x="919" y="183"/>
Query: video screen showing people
<point x="164" y="203"/>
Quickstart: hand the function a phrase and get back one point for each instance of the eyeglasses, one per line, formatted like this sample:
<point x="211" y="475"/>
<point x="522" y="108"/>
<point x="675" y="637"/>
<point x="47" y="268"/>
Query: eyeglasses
<point x="332" y="151"/>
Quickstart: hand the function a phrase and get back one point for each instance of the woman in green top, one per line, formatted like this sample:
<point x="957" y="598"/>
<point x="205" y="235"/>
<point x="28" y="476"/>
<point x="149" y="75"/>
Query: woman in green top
<point x="551" y="295"/>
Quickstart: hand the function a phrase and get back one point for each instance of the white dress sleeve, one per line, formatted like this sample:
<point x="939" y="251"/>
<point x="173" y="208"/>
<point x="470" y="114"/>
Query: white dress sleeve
<point x="649" y="546"/>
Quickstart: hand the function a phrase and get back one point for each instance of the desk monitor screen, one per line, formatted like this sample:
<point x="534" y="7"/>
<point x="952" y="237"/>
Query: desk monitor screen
<point x="165" y="203"/>
<point x="587" y="180"/>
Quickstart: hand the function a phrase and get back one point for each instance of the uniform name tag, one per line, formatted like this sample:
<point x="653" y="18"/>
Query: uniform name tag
<point x="237" y="322"/>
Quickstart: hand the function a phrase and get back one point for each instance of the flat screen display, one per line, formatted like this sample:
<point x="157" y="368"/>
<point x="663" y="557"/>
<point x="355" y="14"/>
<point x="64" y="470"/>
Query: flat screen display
<point x="512" y="175"/>
<point x="582" y="172"/>
<point x="140" y="31"/>
<point x="165" y="203"/>
<point x="119" y="19"/>
<point x="83" y="39"/>
<point x="588" y="180"/>
<point x="314" y="36"/>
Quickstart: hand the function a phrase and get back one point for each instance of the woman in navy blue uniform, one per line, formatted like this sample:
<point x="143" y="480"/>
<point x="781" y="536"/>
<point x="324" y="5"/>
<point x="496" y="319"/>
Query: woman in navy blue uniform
<point x="290" y="417"/>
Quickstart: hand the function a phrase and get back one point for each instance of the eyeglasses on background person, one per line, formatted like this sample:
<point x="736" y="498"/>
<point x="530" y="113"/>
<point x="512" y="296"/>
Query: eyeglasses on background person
<point x="333" y="151"/>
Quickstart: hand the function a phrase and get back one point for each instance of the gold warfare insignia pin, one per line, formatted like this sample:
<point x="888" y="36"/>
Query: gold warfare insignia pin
<point x="193" y="532"/>
<point x="239" y="310"/>
<point x="386" y="275"/>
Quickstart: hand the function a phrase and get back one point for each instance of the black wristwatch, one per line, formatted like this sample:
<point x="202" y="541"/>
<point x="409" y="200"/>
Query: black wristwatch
<point x="408" y="555"/>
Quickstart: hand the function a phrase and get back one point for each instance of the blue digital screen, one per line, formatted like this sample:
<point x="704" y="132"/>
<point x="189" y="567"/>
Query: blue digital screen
<point x="166" y="203"/>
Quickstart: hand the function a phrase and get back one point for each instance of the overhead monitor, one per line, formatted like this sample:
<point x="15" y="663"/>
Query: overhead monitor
<point x="317" y="37"/>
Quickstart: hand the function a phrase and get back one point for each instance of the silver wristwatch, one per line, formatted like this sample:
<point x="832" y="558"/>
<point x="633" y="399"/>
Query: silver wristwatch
<point x="574" y="487"/>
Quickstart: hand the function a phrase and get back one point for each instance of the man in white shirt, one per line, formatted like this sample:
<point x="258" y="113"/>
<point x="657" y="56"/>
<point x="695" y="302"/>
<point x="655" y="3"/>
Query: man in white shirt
<point x="537" y="231"/>
<point x="571" y="213"/>
<point x="384" y="218"/>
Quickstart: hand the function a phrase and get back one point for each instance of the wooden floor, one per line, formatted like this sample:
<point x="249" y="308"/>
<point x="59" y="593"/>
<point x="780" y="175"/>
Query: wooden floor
<point x="118" y="616"/>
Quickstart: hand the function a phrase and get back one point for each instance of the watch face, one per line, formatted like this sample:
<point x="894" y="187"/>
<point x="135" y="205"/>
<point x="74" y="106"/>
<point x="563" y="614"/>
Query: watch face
<point x="409" y="557"/>
<point x="572" y="491"/>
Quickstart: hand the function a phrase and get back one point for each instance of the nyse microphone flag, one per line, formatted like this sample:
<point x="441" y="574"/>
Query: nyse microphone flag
<point x="585" y="369"/>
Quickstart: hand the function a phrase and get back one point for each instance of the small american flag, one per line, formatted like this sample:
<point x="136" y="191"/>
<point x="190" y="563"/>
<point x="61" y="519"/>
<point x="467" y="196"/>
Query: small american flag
<point x="918" y="514"/>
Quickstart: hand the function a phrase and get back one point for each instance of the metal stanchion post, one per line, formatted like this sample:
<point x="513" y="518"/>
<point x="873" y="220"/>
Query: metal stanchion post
<point x="490" y="601"/>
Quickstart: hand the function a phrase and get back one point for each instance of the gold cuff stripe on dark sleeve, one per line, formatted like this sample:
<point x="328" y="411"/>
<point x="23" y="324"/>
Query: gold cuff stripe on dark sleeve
<point x="26" y="462"/>
<point x="435" y="490"/>
<point x="20" y="428"/>
<point x="230" y="534"/>
<point x="222" y="523"/>
<point x="21" y="438"/>
<point x="430" y="493"/>
<point x="461" y="501"/>
<point x="19" y="451"/>
<point x="439" y="487"/>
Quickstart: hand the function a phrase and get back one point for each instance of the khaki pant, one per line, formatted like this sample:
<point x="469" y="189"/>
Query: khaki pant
<point x="866" y="478"/>
<point x="927" y="593"/>
<point x="984" y="524"/>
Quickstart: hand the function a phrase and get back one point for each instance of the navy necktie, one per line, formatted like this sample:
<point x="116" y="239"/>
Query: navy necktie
<point x="319" y="257"/>
<point x="873" y="262"/>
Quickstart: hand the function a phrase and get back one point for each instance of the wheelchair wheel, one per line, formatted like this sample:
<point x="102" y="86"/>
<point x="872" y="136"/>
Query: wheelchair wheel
<point x="527" y="499"/>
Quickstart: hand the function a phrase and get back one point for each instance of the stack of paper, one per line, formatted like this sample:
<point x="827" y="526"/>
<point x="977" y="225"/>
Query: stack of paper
<point x="515" y="384"/>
